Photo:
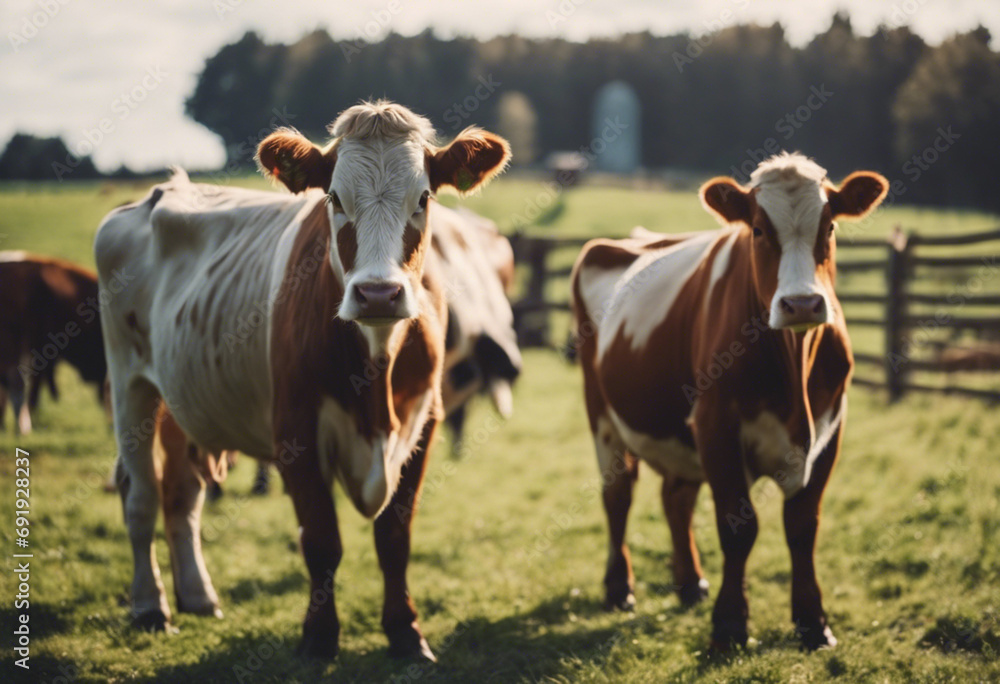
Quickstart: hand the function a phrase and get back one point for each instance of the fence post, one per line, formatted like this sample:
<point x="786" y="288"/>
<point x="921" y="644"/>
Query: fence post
<point x="534" y="329"/>
<point x="897" y="271"/>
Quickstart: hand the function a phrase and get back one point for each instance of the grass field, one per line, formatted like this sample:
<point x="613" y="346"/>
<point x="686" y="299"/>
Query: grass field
<point x="509" y="545"/>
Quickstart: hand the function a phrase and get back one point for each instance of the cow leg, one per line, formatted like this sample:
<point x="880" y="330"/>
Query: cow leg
<point x="135" y="424"/>
<point x="456" y="421"/>
<point x="17" y="387"/>
<point x="262" y="482"/>
<point x="801" y="517"/>
<point x="183" y="497"/>
<point x="319" y="537"/>
<point x="619" y="471"/>
<point x="392" y="543"/>
<point x="736" y="521"/>
<point x="679" y="498"/>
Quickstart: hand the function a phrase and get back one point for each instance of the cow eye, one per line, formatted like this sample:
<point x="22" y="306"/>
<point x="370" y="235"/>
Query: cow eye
<point x="334" y="199"/>
<point x="423" y="201"/>
<point x="757" y="232"/>
<point x="830" y="229"/>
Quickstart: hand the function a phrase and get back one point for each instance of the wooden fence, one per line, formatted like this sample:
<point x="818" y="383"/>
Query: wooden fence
<point x="911" y="333"/>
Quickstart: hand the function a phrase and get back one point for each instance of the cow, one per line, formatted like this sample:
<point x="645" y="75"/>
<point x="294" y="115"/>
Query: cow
<point x="481" y="353"/>
<point x="49" y="312"/>
<point x="724" y="356"/>
<point x="302" y="330"/>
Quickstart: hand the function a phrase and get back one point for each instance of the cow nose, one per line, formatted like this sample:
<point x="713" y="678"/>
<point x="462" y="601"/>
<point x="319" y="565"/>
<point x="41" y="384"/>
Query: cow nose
<point x="378" y="300"/>
<point x="800" y="309"/>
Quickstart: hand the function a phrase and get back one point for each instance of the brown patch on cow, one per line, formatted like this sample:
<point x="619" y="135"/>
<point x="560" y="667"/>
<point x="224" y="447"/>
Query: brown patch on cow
<point x="414" y="247"/>
<point x="347" y="246"/>
<point x="287" y="156"/>
<point x="473" y="158"/>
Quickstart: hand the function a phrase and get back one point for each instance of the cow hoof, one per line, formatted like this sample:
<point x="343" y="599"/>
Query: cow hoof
<point x="408" y="642"/>
<point x="315" y="646"/>
<point x="816" y="636"/>
<point x="153" y="621"/>
<point x="625" y="604"/>
<point x="420" y="650"/>
<point x="727" y="636"/>
<point x="693" y="593"/>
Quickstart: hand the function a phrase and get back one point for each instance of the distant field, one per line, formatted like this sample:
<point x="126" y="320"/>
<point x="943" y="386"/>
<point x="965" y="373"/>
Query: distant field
<point x="509" y="545"/>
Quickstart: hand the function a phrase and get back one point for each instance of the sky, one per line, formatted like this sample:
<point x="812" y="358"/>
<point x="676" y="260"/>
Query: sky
<point x="67" y="66"/>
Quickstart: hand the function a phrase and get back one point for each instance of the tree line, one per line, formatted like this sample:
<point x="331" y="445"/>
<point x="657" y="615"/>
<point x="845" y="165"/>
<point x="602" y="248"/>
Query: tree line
<point x="925" y="116"/>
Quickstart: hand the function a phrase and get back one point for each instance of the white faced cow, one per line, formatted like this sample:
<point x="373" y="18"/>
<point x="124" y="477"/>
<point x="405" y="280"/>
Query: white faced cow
<point x="723" y="356"/>
<point x="258" y="318"/>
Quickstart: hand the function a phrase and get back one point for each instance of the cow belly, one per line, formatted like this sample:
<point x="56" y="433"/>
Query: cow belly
<point x="368" y="469"/>
<point x="665" y="455"/>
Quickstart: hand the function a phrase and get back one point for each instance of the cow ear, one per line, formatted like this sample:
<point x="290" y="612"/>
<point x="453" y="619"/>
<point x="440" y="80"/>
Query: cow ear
<point x="727" y="200"/>
<point x="858" y="195"/>
<point x="288" y="156"/>
<point x="469" y="162"/>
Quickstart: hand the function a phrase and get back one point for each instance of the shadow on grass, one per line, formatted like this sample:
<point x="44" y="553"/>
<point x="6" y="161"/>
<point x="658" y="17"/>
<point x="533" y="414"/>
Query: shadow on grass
<point x="44" y="621"/>
<point x="248" y="589"/>
<point x="522" y="646"/>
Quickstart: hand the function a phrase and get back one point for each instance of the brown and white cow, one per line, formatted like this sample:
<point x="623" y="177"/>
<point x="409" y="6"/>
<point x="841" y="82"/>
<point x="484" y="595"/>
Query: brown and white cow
<point x="302" y="330"/>
<point x="476" y="263"/>
<point x="724" y="356"/>
<point x="49" y="312"/>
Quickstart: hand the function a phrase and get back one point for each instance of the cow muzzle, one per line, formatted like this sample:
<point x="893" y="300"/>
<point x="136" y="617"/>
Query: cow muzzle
<point x="800" y="312"/>
<point x="380" y="303"/>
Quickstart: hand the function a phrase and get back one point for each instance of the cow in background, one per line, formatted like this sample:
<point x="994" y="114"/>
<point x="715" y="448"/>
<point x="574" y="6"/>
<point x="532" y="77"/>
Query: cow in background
<point x="49" y="312"/>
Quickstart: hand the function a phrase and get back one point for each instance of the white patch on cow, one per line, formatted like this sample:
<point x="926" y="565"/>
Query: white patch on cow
<point x="669" y="455"/>
<point x="379" y="183"/>
<point x="368" y="471"/>
<point x="13" y="255"/>
<point x="720" y="263"/>
<point x="647" y="290"/>
<point x="790" y="190"/>
<point x="770" y="452"/>
<point x="597" y="289"/>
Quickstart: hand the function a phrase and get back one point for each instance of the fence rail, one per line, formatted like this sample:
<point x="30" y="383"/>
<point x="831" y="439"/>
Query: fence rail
<point x="903" y="256"/>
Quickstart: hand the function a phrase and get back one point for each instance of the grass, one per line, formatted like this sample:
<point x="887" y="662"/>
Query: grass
<point x="510" y="542"/>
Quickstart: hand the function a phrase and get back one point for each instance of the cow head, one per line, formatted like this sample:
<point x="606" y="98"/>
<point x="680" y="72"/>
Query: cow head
<point x="791" y="209"/>
<point x="379" y="173"/>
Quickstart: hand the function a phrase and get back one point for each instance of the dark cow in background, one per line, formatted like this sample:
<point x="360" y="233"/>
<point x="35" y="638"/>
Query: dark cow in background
<point x="49" y="312"/>
<point x="340" y="379"/>
<point x="724" y="356"/>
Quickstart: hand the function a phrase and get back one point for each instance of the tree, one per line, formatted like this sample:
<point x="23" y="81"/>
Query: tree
<point x="948" y="123"/>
